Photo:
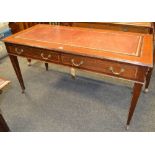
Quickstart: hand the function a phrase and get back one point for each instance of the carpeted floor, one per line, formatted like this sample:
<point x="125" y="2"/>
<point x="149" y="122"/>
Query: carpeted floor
<point x="55" y="102"/>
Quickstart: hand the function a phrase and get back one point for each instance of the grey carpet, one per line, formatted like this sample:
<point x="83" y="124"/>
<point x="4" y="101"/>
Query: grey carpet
<point x="55" y="102"/>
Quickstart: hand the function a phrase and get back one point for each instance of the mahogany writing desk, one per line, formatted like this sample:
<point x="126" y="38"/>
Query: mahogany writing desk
<point x="123" y="55"/>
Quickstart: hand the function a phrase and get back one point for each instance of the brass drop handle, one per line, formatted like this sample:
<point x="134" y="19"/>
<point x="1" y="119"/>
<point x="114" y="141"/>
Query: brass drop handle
<point x="116" y="73"/>
<point x="19" y="51"/>
<point x="45" y="58"/>
<point x="75" y="64"/>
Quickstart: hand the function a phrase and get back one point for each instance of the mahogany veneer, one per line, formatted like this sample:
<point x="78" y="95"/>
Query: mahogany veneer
<point x="124" y="55"/>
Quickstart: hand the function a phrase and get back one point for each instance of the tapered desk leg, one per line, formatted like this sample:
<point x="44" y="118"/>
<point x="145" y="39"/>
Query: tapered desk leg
<point x="16" y="67"/>
<point x="136" y="93"/>
<point x="46" y="65"/>
<point x="148" y="77"/>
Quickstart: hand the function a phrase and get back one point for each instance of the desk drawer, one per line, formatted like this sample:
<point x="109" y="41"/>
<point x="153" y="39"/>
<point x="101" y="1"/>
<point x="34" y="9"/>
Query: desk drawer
<point x="36" y="53"/>
<point x="101" y="66"/>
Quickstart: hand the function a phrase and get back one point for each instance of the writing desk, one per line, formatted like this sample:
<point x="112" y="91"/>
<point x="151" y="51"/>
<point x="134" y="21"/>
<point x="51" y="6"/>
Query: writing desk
<point x="123" y="55"/>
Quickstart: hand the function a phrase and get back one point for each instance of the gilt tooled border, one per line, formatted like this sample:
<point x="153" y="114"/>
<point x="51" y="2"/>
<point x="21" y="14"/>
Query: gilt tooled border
<point x="137" y="54"/>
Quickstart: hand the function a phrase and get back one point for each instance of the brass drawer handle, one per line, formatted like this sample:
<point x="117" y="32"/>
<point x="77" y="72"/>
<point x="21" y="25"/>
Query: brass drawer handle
<point x="19" y="51"/>
<point x="45" y="58"/>
<point x="116" y="73"/>
<point x="75" y="64"/>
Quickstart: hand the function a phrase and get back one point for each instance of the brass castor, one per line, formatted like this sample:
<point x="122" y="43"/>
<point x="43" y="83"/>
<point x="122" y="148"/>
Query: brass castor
<point x="146" y="90"/>
<point x="29" y="63"/>
<point x="127" y="127"/>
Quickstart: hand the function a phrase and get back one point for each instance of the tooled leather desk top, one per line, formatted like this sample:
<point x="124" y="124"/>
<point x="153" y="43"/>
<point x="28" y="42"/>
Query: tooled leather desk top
<point x="130" y="47"/>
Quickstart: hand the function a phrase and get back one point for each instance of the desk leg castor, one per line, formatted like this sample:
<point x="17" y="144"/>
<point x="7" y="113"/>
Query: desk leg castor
<point x="148" y="77"/>
<point x="29" y="62"/>
<point x="127" y="127"/>
<point x="146" y="90"/>
<point x="23" y="91"/>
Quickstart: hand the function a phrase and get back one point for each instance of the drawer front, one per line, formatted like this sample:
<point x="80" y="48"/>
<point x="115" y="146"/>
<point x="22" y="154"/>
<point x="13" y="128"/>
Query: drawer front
<point x="41" y="54"/>
<point x="101" y="66"/>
